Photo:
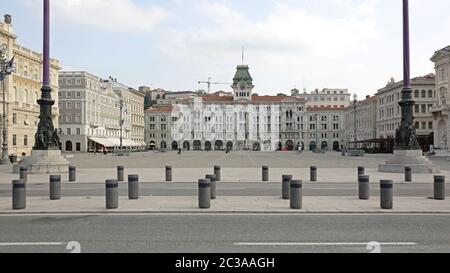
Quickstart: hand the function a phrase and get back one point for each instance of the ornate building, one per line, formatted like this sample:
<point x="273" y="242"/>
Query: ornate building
<point x="90" y="113"/>
<point x="366" y="121"/>
<point x="440" y="109"/>
<point x="389" y="116"/>
<point x="244" y="121"/>
<point x="23" y="91"/>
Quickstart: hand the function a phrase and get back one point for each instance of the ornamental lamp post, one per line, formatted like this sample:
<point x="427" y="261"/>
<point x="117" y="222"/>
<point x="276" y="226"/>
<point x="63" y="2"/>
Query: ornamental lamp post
<point x="406" y="135"/>
<point x="46" y="138"/>
<point x="407" y="151"/>
<point x="6" y="69"/>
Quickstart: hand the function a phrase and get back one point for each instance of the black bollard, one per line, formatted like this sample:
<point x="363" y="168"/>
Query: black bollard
<point x="408" y="174"/>
<point x="361" y="171"/>
<point x="265" y="173"/>
<point x="72" y="173"/>
<point x="387" y="194"/>
<point x="439" y="187"/>
<point x="55" y="187"/>
<point x="286" y="187"/>
<point x="112" y="194"/>
<point x="120" y="173"/>
<point x="212" y="178"/>
<point x="296" y="194"/>
<point x="19" y="194"/>
<point x="313" y="173"/>
<point x="133" y="186"/>
<point x="168" y="174"/>
<point x="204" y="193"/>
<point x="217" y="173"/>
<point x="364" y="187"/>
<point x="24" y="173"/>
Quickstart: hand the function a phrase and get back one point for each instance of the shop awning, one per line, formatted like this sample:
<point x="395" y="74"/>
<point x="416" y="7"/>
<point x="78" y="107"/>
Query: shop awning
<point x="114" y="142"/>
<point x="107" y="142"/>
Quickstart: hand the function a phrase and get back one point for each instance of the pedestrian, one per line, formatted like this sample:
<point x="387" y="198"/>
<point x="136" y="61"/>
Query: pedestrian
<point x="179" y="151"/>
<point x="104" y="150"/>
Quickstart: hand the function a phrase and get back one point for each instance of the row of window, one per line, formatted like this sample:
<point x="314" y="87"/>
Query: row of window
<point x="423" y="125"/>
<point x="25" y="141"/>
<point x="324" y="135"/>
<point x="423" y="94"/>
<point x="25" y="121"/>
<point x="26" y="96"/>
<point x="69" y="104"/>
<point x="68" y="118"/>
<point x="328" y="99"/>
<point x="70" y="81"/>
<point x="324" y="126"/>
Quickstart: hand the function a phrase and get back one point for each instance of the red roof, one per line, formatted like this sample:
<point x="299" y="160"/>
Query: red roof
<point x="218" y="99"/>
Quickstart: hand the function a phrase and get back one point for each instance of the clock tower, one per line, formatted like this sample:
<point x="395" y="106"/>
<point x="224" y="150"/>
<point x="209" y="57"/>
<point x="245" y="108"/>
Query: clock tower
<point x="242" y="84"/>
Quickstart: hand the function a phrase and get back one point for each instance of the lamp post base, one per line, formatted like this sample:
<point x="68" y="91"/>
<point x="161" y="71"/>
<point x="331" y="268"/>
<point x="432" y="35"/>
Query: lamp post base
<point x="356" y="152"/>
<point x="408" y="158"/>
<point x="44" y="162"/>
<point x="5" y="161"/>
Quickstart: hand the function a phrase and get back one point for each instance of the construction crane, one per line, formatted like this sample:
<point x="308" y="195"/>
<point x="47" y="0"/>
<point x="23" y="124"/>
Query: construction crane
<point x="209" y="83"/>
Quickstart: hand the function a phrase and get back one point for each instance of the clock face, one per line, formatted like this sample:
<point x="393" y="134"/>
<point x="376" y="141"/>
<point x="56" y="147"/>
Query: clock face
<point x="242" y="85"/>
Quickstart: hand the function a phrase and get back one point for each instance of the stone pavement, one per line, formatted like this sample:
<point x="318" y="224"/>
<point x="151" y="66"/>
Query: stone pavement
<point x="149" y="175"/>
<point x="225" y="205"/>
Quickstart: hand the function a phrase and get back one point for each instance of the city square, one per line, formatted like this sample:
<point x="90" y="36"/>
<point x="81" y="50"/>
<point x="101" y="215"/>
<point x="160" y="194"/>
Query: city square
<point x="92" y="164"/>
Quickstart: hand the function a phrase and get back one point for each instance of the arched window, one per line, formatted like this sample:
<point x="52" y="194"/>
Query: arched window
<point x="430" y="93"/>
<point x="26" y="96"/>
<point x="416" y="93"/>
<point x="417" y="125"/>
<point x="16" y="94"/>
<point x="424" y="94"/>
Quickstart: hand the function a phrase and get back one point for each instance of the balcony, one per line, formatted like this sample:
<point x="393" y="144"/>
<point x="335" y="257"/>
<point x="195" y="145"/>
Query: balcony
<point x="94" y="125"/>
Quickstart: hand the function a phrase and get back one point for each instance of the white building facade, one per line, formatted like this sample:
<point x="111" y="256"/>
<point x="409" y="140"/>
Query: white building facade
<point x="246" y="121"/>
<point x="22" y="91"/>
<point x="90" y="114"/>
<point x="389" y="115"/>
<point x="441" y="104"/>
<point x="363" y="121"/>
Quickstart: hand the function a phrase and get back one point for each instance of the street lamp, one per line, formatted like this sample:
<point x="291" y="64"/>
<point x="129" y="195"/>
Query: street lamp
<point x="355" y="106"/>
<point x="317" y="133"/>
<point x="121" y="105"/>
<point x="6" y="68"/>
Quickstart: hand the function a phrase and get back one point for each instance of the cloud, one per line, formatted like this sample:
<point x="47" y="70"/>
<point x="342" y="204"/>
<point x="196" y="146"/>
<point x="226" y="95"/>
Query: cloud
<point x="110" y="15"/>
<point x="287" y="30"/>
<point x="290" y="42"/>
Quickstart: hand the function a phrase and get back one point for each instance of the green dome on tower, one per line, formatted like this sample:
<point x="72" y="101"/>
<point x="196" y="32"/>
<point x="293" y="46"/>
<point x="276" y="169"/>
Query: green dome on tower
<point x="242" y="74"/>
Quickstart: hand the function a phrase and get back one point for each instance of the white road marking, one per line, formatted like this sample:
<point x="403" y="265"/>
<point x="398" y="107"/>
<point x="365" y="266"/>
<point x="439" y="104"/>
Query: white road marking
<point x="197" y="189"/>
<point x="325" y="244"/>
<point x="33" y="244"/>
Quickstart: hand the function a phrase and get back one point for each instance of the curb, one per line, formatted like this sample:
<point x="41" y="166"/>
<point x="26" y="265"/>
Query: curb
<point x="306" y="212"/>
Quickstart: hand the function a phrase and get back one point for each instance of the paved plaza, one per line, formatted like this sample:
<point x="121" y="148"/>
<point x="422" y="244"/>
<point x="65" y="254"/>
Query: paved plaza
<point x="236" y="167"/>
<point x="241" y="189"/>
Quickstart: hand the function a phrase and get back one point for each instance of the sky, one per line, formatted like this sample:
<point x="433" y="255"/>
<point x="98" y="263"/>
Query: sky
<point x="173" y="44"/>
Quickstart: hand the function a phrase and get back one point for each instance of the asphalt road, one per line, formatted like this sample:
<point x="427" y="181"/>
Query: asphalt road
<point x="225" y="233"/>
<point x="224" y="189"/>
